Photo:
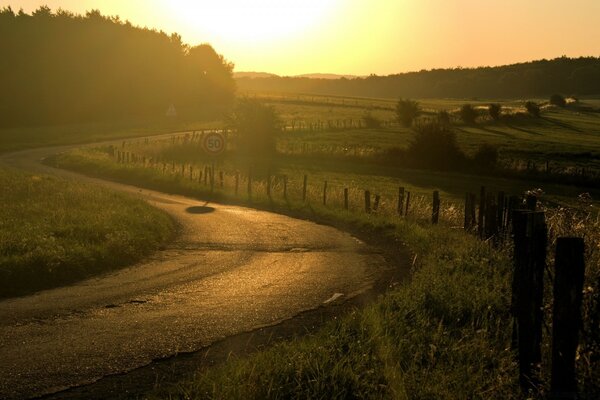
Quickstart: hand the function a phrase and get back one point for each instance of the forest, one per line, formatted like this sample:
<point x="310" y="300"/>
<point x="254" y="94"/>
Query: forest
<point x="59" y="67"/>
<point x="572" y="76"/>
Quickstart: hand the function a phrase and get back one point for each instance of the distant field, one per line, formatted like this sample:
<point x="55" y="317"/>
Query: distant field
<point x="13" y="139"/>
<point x="54" y="232"/>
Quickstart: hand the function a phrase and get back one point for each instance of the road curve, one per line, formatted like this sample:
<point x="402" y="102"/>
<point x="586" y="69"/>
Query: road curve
<point x="231" y="270"/>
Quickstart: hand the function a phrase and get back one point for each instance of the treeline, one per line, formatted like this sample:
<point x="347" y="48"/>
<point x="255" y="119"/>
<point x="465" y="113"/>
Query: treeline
<point x="58" y="67"/>
<point x="571" y="76"/>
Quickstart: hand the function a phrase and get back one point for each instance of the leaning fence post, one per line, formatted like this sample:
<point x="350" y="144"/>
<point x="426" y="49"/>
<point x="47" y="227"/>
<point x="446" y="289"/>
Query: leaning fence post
<point x="400" y="200"/>
<point x="435" y="212"/>
<point x="566" y="316"/>
<point x="376" y="204"/>
<point x="367" y="202"/>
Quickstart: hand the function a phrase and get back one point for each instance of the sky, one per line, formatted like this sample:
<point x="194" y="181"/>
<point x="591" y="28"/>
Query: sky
<point x="362" y="37"/>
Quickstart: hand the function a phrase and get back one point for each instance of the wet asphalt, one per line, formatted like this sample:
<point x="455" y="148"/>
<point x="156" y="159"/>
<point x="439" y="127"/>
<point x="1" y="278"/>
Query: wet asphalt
<point x="230" y="270"/>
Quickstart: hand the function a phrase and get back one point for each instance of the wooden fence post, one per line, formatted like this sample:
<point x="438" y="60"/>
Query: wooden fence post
<point x="367" y="202"/>
<point x="407" y="203"/>
<point x="400" y="200"/>
<point x="345" y="198"/>
<point x="304" y="188"/>
<point x="530" y="236"/>
<point x="376" y="204"/>
<point x="480" y="217"/>
<point x="249" y="183"/>
<point x="566" y="316"/>
<point x="221" y="179"/>
<point x="531" y="201"/>
<point x="325" y="193"/>
<point x="501" y="211"/>
<point x="435" y="211"/>
<point x="237" y="182"/>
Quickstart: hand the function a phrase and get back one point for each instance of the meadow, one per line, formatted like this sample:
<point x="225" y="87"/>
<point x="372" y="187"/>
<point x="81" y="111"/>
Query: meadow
<point x="55" y="232"/>
<point x="444" y="333"/>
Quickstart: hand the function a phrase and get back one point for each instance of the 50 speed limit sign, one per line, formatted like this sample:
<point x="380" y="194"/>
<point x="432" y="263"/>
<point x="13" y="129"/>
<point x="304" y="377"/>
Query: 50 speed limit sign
<point x="213" y="143"/>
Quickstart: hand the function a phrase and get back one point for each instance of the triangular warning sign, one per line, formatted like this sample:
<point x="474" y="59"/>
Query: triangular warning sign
<point x="171" y="112"/>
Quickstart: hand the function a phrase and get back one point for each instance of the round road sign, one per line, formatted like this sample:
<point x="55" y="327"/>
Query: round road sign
<point x="213" y="143"/>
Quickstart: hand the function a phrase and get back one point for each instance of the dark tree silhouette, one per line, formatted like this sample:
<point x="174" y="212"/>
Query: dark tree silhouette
<point x="533" y="108"/>
<point x="495" y="110"/>
<point x="558" y="100"/>
<point x="468" y="114"/>
<point x="435" y="146"/>
<point x="406" y="111"/>
<point x="257" y="125"/>
<point x="58" y="67"/>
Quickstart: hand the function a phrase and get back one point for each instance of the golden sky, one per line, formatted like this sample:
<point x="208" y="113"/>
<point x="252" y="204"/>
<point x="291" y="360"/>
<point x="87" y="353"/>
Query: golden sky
<point x="361" y="37"/>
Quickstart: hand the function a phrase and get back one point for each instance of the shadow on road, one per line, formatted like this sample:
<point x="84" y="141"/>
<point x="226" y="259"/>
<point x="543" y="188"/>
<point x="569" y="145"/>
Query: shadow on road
<point x="199" y="210"/>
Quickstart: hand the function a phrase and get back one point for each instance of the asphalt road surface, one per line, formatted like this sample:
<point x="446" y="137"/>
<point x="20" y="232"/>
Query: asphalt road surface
<point x="231" y="270"/>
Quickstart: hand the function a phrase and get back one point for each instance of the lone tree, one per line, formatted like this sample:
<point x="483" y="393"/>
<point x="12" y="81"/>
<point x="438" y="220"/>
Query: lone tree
<point x="435" y="146"/>
<point x="558" y="100"/>
<point x="495" y="110"/>
<point x="257" y="126"/>
<point x="406" y="111"/>
<point x="533" y="109"/>
<point x="468" y="114"/>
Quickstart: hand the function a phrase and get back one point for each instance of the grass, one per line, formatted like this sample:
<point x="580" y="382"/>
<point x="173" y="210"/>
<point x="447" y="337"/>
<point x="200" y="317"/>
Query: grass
<point x="442" y="336"/>
<point x="445" y="334"/>
<point x="55" y="232"/>
<point x="13" y="139"/>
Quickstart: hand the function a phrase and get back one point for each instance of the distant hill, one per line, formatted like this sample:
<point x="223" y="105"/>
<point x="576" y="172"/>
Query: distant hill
<point x="326" y="76"/>
<point x="253" y="75"/>
<point x="541" y="78"/>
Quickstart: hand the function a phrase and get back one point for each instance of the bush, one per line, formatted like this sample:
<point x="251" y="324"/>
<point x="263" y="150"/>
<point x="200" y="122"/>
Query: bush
<point x="495" y="110"/>
<point x="435" y="146"/>
<point x="370" y="121"/>
<point x="558" y="100"/>
<point x="257" y="125"/>
<point x="486" y="157"/>
<point x="532" y="108"/>
<point x="468" y="114"/>
<point x="443" y="118"/>
<point x="406" y="111"/>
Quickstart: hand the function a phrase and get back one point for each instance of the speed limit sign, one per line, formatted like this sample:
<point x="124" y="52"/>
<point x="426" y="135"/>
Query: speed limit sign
<point x="213" y="143"/>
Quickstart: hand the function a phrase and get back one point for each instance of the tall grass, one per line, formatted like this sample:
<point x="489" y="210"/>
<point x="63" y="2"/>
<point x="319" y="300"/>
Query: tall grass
<point x="54" y="232"/>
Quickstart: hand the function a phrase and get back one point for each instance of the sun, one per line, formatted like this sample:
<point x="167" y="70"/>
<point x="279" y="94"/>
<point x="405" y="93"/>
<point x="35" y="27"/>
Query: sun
<point x="255" y="22"/>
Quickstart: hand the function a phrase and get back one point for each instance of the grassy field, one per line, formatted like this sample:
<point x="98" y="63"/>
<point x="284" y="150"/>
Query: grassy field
<point x="443" y="335"/>
<point x="55" y="232"/>
<point x="13" y="139"/>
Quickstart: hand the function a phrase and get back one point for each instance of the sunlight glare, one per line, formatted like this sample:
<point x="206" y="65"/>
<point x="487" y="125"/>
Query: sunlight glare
<point x="257" y="22"/>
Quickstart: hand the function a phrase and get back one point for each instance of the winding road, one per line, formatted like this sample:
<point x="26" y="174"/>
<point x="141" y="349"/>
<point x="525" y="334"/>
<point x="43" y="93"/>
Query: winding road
<point x="230" y="270"/>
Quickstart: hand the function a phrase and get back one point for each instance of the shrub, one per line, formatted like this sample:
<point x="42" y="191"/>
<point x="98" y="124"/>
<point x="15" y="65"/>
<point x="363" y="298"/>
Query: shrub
<point x="371" y="121"/>
<point x="558" y="100"/>
<point x="406" y="111"/>
<point x="435" y="146"/>
<point x="486" y="157"/>
<point x="468" y="114"/>
<point x="257" y="125"/>
<point x="495" y="110"/>
<point x="443" y="118"/>
<point x="533" y="108"/>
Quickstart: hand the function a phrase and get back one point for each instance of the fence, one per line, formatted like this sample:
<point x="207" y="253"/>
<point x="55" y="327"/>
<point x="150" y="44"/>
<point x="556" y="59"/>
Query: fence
<point x="496" y="218"/>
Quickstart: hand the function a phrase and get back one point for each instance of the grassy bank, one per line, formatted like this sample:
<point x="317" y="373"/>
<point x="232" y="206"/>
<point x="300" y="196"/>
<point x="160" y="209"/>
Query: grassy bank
<point x="445" y="334"/>
<point x="54" y="232"/>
